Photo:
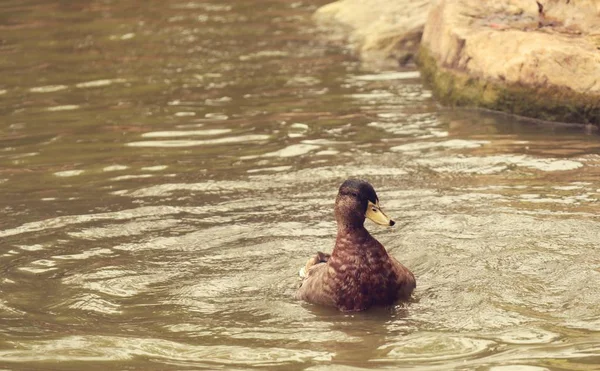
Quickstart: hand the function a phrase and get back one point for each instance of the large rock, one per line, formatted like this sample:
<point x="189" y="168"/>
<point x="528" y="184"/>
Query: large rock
<point x="517" y="56"/>
<point x="381" y="31"/>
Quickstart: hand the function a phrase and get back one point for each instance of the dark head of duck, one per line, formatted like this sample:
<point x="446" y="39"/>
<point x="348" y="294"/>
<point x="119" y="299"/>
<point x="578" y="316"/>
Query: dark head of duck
<point x="357" y="200"/>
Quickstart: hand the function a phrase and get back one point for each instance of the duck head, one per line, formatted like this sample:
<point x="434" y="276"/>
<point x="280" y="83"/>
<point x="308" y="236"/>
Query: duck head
<point x="357" y="200"/>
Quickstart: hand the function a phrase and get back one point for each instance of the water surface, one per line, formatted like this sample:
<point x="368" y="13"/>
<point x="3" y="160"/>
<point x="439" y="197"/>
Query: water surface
<point x="166" y="168"/>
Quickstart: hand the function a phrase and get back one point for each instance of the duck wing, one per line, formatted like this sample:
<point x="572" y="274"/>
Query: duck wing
<point x="406" y="279"/>
<point x="315" y="286"/>
<point x="321" y="257"/>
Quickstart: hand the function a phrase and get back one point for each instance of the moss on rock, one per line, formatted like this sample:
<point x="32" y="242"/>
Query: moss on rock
<point x="547" y="103"/>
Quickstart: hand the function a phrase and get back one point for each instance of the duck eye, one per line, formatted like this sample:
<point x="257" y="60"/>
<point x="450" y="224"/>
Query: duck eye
<point x="374" y="210"/>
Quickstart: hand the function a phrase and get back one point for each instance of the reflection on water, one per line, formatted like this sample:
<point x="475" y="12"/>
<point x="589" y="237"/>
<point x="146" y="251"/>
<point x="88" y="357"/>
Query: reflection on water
<point x="165" y="170"/>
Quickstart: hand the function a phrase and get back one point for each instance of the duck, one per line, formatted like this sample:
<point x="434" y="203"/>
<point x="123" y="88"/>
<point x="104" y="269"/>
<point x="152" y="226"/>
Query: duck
<point x="359" y="273"/>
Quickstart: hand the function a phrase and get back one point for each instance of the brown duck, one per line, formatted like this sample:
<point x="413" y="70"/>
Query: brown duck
<point x="359" y="273"/>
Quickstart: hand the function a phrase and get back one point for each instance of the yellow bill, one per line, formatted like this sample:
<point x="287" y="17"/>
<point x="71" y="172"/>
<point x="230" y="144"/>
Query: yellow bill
<point x="375" y="214"/>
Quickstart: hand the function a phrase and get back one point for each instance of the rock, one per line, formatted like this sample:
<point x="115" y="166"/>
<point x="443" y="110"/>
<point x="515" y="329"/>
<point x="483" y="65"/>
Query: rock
<point x="534" y="59"/>
<point x="380" y="31"/>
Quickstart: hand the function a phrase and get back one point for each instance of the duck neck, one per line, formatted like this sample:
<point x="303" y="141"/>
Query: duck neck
<point x="352" y="239"/>
<point x="351" y="229"/>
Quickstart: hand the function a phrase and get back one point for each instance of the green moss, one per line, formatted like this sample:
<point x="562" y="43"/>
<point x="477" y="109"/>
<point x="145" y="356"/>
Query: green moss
<point x="546" y="103"/>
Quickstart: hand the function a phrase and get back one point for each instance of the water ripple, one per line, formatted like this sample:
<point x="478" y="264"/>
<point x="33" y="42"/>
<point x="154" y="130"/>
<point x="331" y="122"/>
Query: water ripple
<point x="193" y="143"/>
<point x="435" y="348"/>
<point x="114" y="348"/>
<point x="181" y="133"/>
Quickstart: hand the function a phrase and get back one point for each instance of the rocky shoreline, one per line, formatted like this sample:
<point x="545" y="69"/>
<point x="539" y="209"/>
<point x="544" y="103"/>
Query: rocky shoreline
<point x="538" y="59"/>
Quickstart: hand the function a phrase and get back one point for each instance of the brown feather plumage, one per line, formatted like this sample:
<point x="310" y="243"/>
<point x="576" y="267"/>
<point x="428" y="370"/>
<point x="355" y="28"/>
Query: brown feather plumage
<point x="359" y="273"/>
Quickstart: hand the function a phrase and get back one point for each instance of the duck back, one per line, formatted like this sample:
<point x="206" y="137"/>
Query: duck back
<point x="362" y="273"/>
<point x="359" y="274"/>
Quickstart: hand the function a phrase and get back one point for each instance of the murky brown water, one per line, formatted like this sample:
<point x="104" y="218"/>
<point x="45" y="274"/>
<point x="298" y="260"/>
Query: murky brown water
<point x="167" y="166"/>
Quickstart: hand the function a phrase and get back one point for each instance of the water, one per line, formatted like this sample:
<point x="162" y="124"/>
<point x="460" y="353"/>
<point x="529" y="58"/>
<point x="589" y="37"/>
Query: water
<point x="166" y="168"/>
